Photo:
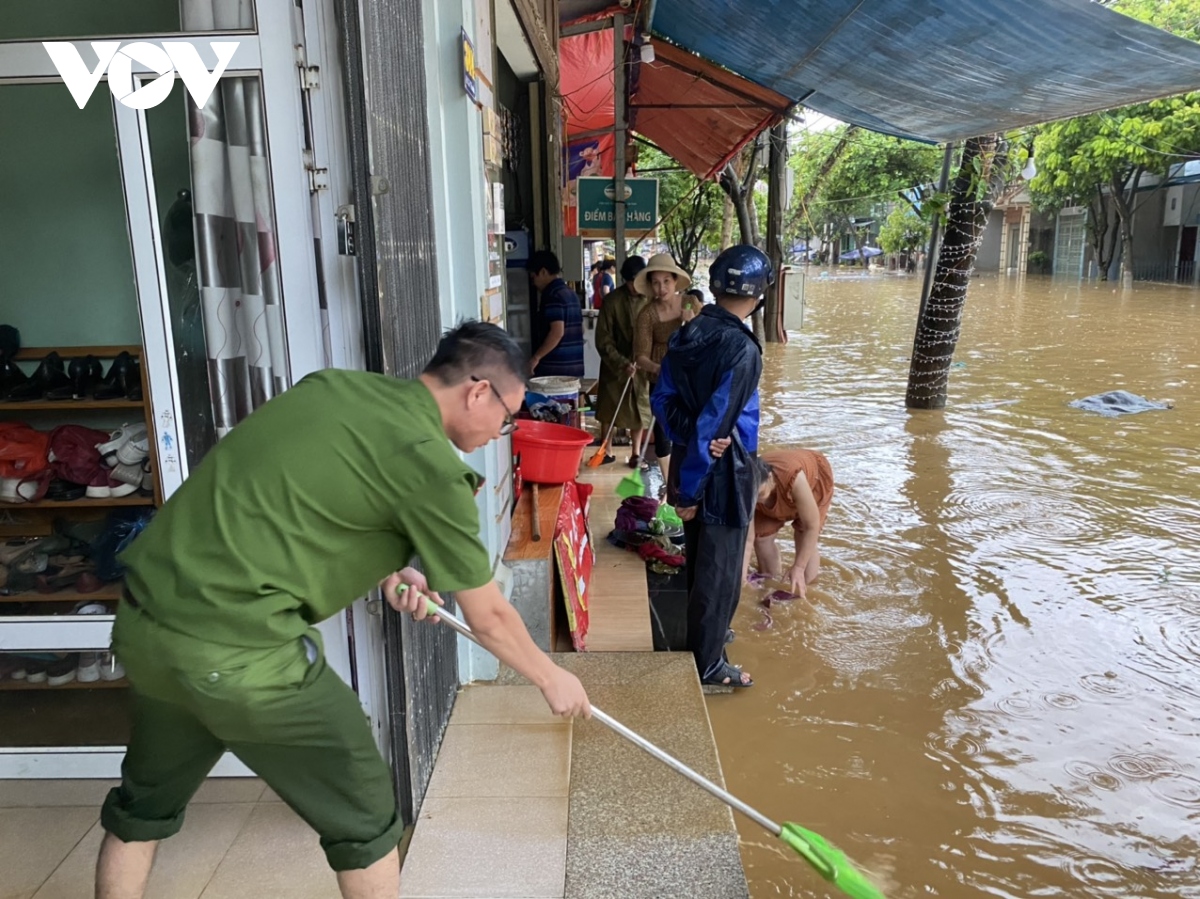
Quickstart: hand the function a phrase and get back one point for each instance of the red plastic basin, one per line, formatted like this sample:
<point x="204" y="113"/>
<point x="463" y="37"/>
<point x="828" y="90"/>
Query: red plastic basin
<point x="550" y="453"/>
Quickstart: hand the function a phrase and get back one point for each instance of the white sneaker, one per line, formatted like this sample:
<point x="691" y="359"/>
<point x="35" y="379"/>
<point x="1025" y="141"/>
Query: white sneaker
<point x="90" y="663"/>
<point x="88" y="671"/>
<point x="137" y="448"/>
<point x="16" y="490"/>
<point x="110" y="668"/>
<point x="129" y="445"/>
<point x="128" y="474"/>
<point x="119" y="489"/>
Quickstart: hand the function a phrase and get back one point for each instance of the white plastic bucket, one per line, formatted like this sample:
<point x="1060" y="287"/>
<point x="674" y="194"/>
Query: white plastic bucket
<point x="558" y="390"/>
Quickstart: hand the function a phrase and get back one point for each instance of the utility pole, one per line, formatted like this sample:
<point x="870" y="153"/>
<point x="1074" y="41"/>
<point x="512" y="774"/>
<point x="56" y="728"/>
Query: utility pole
<point x="620" y="126"/>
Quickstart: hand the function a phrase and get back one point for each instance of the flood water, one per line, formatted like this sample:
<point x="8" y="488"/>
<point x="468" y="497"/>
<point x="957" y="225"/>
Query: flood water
<point x="995" y="689"/>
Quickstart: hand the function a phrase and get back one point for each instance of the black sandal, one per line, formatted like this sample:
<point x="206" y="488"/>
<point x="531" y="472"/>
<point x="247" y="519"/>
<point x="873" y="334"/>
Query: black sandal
<point x="634" y="461"/>
<point x="728" y="676"/>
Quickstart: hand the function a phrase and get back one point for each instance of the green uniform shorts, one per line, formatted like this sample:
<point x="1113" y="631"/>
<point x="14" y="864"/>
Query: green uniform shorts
<point x="281" y="710"/>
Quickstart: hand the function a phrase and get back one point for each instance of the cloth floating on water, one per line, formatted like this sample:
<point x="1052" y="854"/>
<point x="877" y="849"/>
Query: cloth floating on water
<point x="1116" y="402"/>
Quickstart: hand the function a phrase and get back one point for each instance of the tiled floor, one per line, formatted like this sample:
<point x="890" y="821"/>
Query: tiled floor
<point x="618" y="604"/>
<point x="238" y="840"/>
<point x="494" y="821"/>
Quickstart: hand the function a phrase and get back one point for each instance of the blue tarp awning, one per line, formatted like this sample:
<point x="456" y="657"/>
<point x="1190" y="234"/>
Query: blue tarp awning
<point x="937" y="70"/>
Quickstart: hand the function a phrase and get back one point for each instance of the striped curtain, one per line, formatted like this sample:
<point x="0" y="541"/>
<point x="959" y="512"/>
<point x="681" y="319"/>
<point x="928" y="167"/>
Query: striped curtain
<point x="235" y="227"/>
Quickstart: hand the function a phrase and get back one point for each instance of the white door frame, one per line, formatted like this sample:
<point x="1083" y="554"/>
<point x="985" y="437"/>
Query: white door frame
<point x="270" y="55"/>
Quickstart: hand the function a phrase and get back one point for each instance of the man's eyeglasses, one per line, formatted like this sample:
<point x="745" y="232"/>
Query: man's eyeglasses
<point x="510" y="423"/>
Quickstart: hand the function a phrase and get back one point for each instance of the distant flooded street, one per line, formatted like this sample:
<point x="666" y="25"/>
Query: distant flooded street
<point x="996" y="688"/>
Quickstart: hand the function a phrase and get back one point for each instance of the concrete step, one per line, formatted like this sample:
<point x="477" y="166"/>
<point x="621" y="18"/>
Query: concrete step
<point x="524" y="805"/>
<point x="636" y="829"/>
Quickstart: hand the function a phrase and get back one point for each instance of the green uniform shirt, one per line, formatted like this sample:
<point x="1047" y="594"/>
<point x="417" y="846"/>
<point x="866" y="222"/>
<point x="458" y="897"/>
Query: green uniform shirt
<point x="306" y="505"/>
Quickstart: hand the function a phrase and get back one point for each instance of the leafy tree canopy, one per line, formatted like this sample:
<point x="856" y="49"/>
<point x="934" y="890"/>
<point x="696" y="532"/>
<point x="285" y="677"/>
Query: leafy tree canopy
<point x="847" y="173"/>
<point x="1107" y="149"/>
<point x="692" y="208"/>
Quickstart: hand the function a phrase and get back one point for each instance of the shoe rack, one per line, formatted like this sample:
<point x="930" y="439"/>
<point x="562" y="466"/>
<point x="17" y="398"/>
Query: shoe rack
<point x="36" y="519"/>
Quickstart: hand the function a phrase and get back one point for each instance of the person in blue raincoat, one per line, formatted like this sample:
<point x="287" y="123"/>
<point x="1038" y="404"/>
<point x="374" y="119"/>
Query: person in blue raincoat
<point x="708" y="390"/>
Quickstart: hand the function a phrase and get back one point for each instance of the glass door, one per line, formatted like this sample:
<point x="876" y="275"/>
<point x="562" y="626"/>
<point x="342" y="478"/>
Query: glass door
<point x="146" y="276"/>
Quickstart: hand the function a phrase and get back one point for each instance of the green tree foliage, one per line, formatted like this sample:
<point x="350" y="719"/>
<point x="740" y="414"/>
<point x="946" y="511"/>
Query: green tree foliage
<point x="903" y="231"/>
<point x="1098" y="160"/>
<point x="692" y="208"/>
<point x="847" y="173"/>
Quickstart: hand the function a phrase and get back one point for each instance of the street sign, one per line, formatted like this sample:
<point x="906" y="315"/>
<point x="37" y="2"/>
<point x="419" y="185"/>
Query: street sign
<point x="596" y="204"/>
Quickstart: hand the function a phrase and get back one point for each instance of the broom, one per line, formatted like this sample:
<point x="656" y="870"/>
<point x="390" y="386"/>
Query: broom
<point x="598" y="459"/>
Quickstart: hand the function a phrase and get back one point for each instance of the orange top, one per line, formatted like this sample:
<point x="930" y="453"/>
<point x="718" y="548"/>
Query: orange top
<point x="786" y="465"/>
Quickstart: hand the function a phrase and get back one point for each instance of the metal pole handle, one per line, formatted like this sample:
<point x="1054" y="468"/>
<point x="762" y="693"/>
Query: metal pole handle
<point x="635" y="738"/>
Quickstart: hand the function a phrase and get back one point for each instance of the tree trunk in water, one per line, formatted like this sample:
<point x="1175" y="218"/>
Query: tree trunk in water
<point x="941" y="319"/>
<point x="1124" y="206"/>
<point x="1126" y="256"/>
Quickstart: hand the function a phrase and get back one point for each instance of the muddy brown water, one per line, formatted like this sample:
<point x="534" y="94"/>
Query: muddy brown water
<point x="995" y="690"/>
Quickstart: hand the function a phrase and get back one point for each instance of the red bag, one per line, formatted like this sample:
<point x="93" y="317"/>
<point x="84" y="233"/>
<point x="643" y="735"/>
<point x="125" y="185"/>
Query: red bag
<point x="74" y="456"/>
<point x="23" y="450"/>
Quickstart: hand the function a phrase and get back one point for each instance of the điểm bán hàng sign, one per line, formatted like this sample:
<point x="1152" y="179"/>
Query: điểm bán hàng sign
<point x="596" y="199"/>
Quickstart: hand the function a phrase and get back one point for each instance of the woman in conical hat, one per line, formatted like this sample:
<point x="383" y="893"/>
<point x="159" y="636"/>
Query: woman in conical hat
<point x="669" y="308"/>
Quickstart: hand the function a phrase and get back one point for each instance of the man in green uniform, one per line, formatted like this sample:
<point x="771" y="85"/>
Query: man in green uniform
<point x="309" y="503"/>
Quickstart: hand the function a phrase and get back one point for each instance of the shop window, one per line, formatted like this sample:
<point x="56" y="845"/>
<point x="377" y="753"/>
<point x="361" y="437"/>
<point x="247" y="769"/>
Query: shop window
<point x="226" y="297"/>
<point x="38" y="20"/>
<point x="170" y="164"/>
<point x="64" y="243"/>
<point x="79" y="410"/>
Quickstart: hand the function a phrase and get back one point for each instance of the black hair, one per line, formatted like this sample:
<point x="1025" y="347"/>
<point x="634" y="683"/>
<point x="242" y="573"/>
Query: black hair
<point x="695" y="292"/>
<point x="762" y="473"/>
<point x="632" y="268"/>
<point x="543" y="259"/>
<point x="477" y="348"/>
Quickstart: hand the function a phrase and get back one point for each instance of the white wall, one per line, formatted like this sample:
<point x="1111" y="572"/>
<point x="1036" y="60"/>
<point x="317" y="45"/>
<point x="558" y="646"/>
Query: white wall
<point x="460" y="225"/>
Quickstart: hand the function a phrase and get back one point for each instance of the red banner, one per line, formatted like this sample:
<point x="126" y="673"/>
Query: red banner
<point x="575" y="556"/>
<point x="590" y="156"/>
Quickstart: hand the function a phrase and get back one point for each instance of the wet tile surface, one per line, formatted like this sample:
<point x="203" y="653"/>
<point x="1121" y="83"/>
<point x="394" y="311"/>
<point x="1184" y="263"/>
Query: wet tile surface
<point x="486" y="704"/>
<point x="500" y="760"/>
<point x="494" y="848"/>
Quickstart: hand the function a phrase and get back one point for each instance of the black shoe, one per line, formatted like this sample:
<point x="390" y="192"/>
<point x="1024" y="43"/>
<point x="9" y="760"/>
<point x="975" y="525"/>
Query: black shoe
<point x="50" y="375"/>
<point x="134" y="388"/>
<point x="84" y="373"/>
<point x="65" y="491"/>
<point x="120" y="378"/>
<point x="10" y="376"/>
<point x="63" y="670"/>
